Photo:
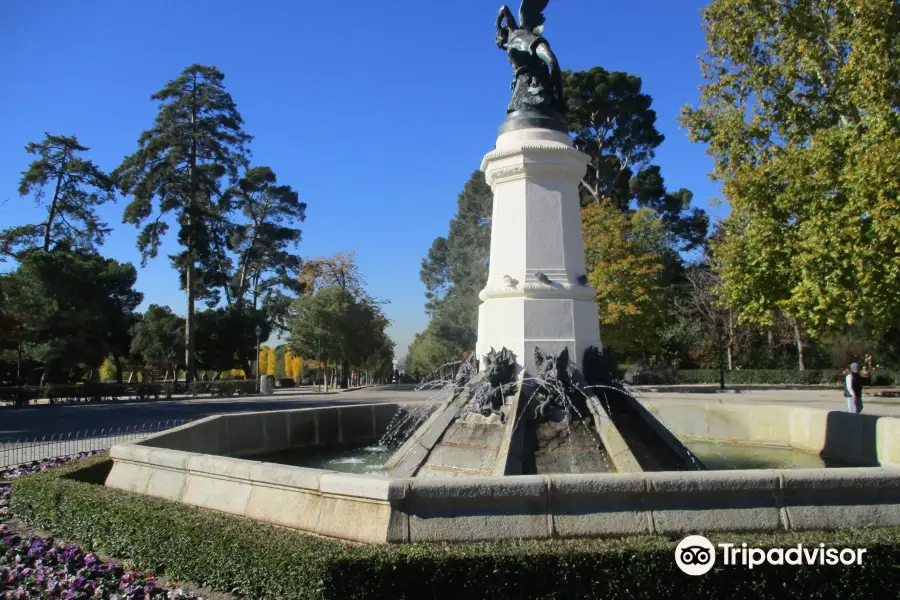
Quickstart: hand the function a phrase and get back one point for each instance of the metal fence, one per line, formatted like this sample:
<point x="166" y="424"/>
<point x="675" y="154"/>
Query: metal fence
<point x="66" y="444"/>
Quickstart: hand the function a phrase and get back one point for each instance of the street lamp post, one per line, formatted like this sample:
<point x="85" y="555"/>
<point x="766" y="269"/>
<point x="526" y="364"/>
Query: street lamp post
<point x="258" y="332"/>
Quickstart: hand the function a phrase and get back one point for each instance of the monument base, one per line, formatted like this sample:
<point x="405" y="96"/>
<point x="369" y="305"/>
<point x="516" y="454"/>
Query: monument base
<point x="537" y="294"/>
<point x="523" y="324"/>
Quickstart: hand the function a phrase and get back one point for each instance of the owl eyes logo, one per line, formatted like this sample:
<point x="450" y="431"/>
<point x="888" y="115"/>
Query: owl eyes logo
<point x="695" y="555"/>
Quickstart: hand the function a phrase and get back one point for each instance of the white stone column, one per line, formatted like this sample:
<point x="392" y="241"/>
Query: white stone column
<point x="536" y="228"/>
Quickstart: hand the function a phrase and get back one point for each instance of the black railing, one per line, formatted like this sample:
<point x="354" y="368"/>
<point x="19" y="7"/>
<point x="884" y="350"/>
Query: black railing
<point x="65" y="444"/>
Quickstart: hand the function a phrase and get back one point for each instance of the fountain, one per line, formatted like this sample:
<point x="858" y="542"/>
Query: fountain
<point x="535" y="438"/>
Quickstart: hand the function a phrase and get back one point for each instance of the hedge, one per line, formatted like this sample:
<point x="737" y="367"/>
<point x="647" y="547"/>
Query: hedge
<point x="261" y="561"/>
<point x="98" y="392"/>
<point x="759" y="377"/>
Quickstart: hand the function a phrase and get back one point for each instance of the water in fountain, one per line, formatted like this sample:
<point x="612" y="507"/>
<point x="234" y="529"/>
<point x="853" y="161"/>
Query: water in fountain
<point x="648" y="446"/>
<point x="557" y="415"/>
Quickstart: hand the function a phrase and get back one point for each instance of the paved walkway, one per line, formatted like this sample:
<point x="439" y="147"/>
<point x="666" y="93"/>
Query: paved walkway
<point x="46" y="420"/>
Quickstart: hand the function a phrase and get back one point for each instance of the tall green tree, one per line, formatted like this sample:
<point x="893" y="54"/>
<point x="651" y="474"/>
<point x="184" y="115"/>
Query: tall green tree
<point x="69" y="188"/>
<point x="332" y="324"/>
<point x="226" y="338"/>
<point x="428" y="351"/>
<point x="611" y="120"/>
<point x="456" y="268"/>
<point x="319" y="325"/>
<point x="624" y="259"/>
<point x="195" y="142"/>
<point x="799" y="111"/>
<point x="342" y="271"/>
<point x="158" y="339"/>
<point x="266" y="240"/>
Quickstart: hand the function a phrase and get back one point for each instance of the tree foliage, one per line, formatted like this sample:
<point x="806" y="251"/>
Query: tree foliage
<point x="71" y="307"/>
<point x="623" y="256"/>
<point x="78" y="188"/>
<point x="611" y="121"/>
<point x="158" y="339"/>
<point x="456" y="268"/>
<point x="340" y="270"/>
<point x="266" y="239"/>
<point x="427" y="352"/>
<point x="799" y="111"/>
<point x="226" y="338"/>
<point x="333" y="325"/>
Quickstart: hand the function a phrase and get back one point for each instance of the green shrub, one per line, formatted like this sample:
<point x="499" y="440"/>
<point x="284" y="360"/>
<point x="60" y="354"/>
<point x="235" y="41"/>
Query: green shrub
<point x="98" y="392"/>
<point x="879" y="377"/>
<point x="261" y="561"/>
<point x="88" y="392"/>
<point x="237" y="387"/>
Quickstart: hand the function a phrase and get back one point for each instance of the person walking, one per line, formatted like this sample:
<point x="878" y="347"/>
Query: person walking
<point x="853" y="389"/>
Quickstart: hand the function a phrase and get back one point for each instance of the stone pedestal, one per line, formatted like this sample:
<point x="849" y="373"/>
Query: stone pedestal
<point x="536" y="229"/>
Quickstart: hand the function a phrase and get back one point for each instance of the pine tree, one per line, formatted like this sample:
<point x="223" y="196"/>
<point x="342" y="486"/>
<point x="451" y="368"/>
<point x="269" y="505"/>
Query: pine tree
<point x="456" y="270"/>
<point x="78" y="188"/>
<point x="197" y="140"/>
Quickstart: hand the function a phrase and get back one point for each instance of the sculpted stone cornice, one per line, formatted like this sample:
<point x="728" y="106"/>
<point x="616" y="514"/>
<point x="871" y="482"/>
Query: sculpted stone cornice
<point x="559" y="291"/>
<point x="511" y="151"/>
<point x="533" y="160"/>
<point x="520" y="170"/>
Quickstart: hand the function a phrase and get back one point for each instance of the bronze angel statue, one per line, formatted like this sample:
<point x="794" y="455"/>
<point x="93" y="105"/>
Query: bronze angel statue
<point x="537" y="84"/>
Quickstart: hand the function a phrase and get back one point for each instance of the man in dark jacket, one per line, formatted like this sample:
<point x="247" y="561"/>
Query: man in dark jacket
<point x="853" y="389"/>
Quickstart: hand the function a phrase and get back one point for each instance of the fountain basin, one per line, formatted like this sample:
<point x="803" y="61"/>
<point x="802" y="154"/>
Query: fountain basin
<point x="863" y="440"/>
<point x="209" y="464"/>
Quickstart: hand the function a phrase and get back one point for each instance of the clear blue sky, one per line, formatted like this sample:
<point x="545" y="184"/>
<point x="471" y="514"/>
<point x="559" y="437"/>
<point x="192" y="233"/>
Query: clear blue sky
<point x="376" y="112"/>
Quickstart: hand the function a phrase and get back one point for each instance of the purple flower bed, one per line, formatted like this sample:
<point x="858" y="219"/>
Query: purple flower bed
<point x="37" y="466"/>
<point x="36" y="567"/>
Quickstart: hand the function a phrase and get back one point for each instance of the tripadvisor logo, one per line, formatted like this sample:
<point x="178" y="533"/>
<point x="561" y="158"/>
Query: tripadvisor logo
<point x="696" y="555"/>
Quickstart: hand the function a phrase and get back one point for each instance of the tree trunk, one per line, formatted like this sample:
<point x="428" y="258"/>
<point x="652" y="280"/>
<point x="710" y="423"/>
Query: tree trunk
<point x="770" y="348"/>
<point x="799" y="341"/>
<point x="45" y="375"/>
<point x="345" y="374"/>
<point x="118" y="369"/>
<point x="189" y="275"/>
<point x="730" y="341"/>
<point x="19" y="364"/>
<point x="189" y="322"/>
<point x="721" y="370"/>
<point x="52" y="214"/>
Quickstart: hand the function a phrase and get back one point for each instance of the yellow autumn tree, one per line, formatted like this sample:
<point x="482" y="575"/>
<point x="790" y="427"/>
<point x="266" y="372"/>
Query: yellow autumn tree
<point x="288" y="366"/>
<point x="263" y="360"/>
<point x="271" y="362"/>
<point x="623" y="256"/>
<point x="297" y="368"/>
<point x="108" y="369"/>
